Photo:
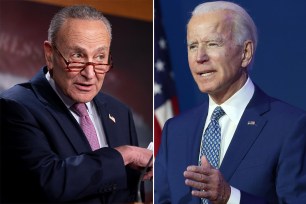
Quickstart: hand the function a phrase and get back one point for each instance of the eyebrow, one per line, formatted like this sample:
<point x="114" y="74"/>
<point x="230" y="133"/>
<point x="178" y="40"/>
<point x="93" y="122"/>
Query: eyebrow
<point x="78" y="48"/>
<point x="192" y="43"/>
<point x="217" y="38"/>
<point x="104" y="48"/>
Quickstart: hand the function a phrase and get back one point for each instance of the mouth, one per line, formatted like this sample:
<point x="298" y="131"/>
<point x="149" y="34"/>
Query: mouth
<point x="84" y="86"/>
<point x="206" y="74"/>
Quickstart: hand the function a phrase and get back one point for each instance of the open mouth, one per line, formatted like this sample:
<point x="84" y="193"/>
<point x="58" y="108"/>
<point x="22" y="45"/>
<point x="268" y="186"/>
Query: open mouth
<point x="84" y="87"/>
<point x="206" y="73"/>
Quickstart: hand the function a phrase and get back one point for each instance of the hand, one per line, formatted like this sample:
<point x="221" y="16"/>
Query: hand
<point x="209" y="181"/>
<point x="137" y="158"/>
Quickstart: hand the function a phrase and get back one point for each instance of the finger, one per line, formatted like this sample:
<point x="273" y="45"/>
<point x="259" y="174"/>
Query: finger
<point x="142" y="156"/>
<point x="201" y="194"/>
<point x="205" y="163"/>
<point x="199" y="169"/>
<point x="197" y="185"/>
<point x="148" y="175"/>
<point x="196" y="176"/>
<point x="210" y="195"/>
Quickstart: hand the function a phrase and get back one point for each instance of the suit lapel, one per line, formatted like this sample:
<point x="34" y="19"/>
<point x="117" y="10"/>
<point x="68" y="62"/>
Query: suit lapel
<point x="59" y="111"/>
<point x="248" y="130"/>
<point x="108" y="117"/>
<point x="198" y="122"/>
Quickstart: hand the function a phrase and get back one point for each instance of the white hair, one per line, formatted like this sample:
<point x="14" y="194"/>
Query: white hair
<point x="244" y="27"/>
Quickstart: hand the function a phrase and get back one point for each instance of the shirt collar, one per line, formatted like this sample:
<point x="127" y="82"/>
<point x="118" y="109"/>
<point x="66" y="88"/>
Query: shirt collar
<point x="66" y="100"/>
<point x="236" y="104"/>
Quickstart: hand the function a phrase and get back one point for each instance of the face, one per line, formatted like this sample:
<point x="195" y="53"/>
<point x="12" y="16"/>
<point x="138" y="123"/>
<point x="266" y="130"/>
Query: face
<point x="217" y="63"/>
<point x="77" y="39"/>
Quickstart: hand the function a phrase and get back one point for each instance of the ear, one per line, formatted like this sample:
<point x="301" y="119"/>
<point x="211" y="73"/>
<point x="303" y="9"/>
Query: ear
<point x="48" y="55"/>
<point x="247" y="53"/>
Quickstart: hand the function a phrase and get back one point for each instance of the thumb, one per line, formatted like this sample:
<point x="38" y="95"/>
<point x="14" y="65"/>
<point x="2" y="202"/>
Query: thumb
<point x="205" y="163"/>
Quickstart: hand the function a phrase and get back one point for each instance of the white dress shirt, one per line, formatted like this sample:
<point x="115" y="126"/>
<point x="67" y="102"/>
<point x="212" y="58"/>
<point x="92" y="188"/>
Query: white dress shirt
<point x="91" y="108"/>
<point x="233" y="108"/>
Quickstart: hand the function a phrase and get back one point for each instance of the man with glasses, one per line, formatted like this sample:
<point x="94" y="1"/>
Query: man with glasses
<point x="62" y="140"/>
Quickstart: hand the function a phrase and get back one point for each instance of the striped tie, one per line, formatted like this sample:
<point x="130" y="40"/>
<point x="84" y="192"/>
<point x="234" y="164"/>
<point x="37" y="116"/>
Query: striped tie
<point x="86" y="125"/>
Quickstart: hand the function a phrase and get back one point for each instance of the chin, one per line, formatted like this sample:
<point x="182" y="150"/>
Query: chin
<point x="81" y="98"/>
<point x="207" y="87"/>
<point x="203" y="88"/>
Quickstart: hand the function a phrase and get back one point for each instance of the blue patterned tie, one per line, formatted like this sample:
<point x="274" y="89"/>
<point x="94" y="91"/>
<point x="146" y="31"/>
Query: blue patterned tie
<point x="211" y="140"/>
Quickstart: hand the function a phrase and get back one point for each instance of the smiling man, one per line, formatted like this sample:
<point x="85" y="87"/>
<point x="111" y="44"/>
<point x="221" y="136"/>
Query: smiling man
<point x="62" y="140"/>
<point x="243" y="146"/>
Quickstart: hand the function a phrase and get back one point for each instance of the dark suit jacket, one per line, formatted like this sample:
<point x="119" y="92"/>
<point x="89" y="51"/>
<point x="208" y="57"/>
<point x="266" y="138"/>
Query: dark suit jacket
<point x="264" y="160"/>
<point x="45" y="156"/>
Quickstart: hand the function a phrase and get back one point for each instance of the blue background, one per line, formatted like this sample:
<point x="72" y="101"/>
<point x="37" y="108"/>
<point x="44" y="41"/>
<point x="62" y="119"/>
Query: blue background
<point x="280" y="59"/>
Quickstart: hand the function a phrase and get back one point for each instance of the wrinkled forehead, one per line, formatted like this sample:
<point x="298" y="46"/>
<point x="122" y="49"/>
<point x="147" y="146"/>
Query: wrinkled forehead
<point x="87" y="30"/>
<point x="216" y="23"/>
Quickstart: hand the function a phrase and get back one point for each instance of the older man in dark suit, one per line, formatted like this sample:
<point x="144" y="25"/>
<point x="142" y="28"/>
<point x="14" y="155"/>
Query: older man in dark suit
<point x="243" y="146"/>
<point x="62" y="140"/>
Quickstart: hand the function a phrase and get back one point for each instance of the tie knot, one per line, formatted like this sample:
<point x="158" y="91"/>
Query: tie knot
<point x="218" y="113"/>
<point x="80" y="109"/>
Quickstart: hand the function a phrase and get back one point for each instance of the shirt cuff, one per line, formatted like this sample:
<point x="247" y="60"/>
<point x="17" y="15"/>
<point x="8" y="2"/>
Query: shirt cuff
<point x="234" y="197"/>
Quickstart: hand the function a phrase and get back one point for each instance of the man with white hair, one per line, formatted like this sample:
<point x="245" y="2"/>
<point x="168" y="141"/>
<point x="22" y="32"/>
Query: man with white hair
<point x="243" y="146"/>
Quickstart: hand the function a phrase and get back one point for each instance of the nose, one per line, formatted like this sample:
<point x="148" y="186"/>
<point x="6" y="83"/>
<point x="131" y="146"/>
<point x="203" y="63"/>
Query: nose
<point x="201" y="55"/>
<point x="89" y="71"/>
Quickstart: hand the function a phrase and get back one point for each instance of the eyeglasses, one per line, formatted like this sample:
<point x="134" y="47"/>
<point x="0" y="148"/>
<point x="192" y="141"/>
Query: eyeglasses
<point x="100" y="68"/>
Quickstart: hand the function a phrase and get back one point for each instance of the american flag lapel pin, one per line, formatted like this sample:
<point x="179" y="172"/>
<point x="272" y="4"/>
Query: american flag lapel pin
<point x="251" y="122"/>
<point x="112" y="118"/>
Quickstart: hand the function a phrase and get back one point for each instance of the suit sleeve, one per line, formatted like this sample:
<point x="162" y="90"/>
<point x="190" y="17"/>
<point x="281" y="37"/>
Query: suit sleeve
<point x="27" y="152"/>
<point x="161" y="188"/>
<point x="247" y="198"/>
<point x="291" y="169"/>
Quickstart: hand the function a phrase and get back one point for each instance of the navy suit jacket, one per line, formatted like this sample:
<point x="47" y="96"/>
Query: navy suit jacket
<point x="266" y="161"/>
<point x="45" y="156"/>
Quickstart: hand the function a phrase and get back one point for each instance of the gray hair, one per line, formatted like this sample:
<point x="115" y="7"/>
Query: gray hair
<point x="76" y="12"/>
<point x="243" y="25"/>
